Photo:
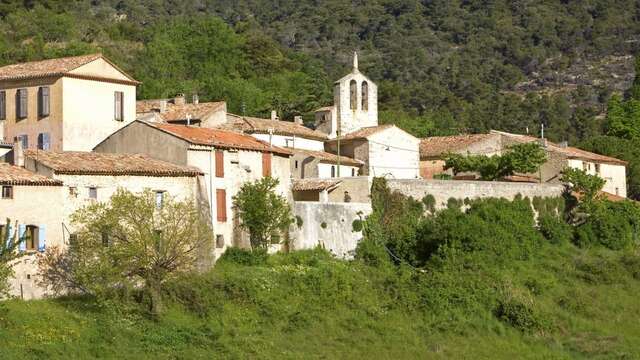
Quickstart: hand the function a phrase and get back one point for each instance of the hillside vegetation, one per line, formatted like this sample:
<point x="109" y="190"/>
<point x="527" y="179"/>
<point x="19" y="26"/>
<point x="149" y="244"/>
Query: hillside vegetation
<point x="476" y="280"/>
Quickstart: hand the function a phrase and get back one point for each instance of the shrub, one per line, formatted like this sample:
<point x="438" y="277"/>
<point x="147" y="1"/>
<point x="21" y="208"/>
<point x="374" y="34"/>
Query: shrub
<point x="299" y="221"/>
<point x="519" y="311"/>
<point x="429" y="202"/>
<point x="609" y="224"/>
<point x="244" y="256"/>
<point x="555" y="229"/>
<point x="356" y="225"/>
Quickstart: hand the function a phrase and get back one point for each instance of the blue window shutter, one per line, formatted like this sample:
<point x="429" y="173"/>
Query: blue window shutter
<point x="46" y="141"/>
<point x="42" y="238"/>
<point x="22" y="231"/>
<point x="9" y="236"/>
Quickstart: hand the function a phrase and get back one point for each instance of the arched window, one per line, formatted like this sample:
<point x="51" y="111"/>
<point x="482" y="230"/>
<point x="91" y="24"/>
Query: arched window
<point x="365" y="96"/>
<point x="353" y="87"/>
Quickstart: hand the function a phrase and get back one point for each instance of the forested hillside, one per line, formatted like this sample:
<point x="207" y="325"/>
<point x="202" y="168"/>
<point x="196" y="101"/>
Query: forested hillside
<point x="443" y="66"/>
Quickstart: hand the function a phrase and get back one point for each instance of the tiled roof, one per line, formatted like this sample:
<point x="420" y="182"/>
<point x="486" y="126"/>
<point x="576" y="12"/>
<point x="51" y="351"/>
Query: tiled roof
<point x="15" y="175"/>
<point x="329" y="157"/>
<point x="364" y="132"/>
<point x="92" y="163"/>
<point x="439" y="145"/>
<point x="314" y="184"/>
<point x="218" y="138"/>
<point x="5" y="144"/>
<point x="50" y="67"/>
<point x="279" y="127"/>
<point x="325" y="108"/>
<point x="568" y="151"/>
<point x="175" y="112"/>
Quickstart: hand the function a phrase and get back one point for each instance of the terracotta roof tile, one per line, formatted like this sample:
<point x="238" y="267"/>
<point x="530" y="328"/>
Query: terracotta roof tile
<point x="279" y="127"/>
<point x="364" y="132"/>
<point x="314" y="184"/>
<point x="439" y="145"/>
<point x="218" y="138"/>
<point x="92" y="163"/>
<point x="175" y="112"/>
<point x="329" y="157"/>
<point x="15" y="175"/>
<point x="50" y="67"/>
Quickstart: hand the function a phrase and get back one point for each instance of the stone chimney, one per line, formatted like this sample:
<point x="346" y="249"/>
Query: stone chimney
<point x="298" y="119"/>
<point x="179" y="99"/>
<point x="163" y="106"/>
<point x="563" y="144"/>
<point x="195" y="99"/>
<point x="274" y="115"/>
<point x="18" y="153"/>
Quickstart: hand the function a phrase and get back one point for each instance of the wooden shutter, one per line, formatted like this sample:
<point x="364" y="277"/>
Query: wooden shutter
<point x="221" y="205"/>
<point x="266" y="164"/>
<point x="219" y="163"/>
<point x="21" y="103"/>
<point x="3" y="105"/>
<point x="43" y="101"/>
<point x="42" y="238"/>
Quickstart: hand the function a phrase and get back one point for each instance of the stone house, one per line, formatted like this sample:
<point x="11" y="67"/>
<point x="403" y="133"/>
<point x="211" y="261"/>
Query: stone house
<point x="559" y="156"/>
<point x="178" y="111"/>
<point x="227" y="159"/>
<point x="65" y="104"/>
<point x="34" y="204"/>
<point x="385" y="150"/>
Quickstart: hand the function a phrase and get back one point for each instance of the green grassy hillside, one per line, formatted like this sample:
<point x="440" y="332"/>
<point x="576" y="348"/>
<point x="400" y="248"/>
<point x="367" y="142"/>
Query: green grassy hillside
<point x="562" y="303"/>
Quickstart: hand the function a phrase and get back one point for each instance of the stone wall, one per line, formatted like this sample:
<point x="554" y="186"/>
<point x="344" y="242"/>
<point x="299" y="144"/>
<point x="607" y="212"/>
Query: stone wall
<point x="336" y="235"/>
<point x="442" y="190"/>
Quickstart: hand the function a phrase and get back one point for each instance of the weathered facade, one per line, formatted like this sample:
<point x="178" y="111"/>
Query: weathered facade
<point x="65" y="104"/>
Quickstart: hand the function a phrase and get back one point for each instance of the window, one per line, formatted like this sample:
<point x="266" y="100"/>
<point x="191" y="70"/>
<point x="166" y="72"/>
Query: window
<point x="219" y="163"/>
<point x="44" y="142"/>
<point x="365" y="96"/>
<point x="31" y="238"/>
<point x="333" y="171"/>
<point x="24" y="140"/>
<point x="219" y="241"/>
<point x="353" y="172"/>
<point x="73" y="191"/>
<point x="93" y="193"/>
<point x="597" y="168"/>
<point x="21" y="103"/>
<point x="296" y="164"/>
<point x="221" y="205"/>
<point x="617" y="191"/>
<point x="353" y="95"/>
<point x="585" y="166"/>
<point x="3" y="105"/>
<point x="266" y="164"/>
<point x="159" y="199"/>
<point x="43" y="101"/>
<point x="7" y="192"/>
<point x="119" y="105"/>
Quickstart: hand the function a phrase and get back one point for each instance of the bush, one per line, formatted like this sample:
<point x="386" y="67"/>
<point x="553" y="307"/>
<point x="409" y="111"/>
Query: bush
<point x="555" y="229"/>
<point x="356" y="225"/>
<point x="244" y="256"/>
<point x="519" y="311"/>
<point x="429" y="202"/>
<point x="613" y="225"/>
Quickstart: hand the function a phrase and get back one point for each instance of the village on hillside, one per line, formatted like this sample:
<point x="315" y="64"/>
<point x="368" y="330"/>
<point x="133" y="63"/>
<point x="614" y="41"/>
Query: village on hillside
<point x="72" y="132"/>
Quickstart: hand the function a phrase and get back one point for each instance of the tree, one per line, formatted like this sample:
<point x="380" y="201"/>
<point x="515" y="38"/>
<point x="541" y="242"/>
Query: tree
<point x="8" y="253"/>
<point x="634" y="92"/>
<point x="520" y="158"/>
<point x="264" y="214"/>
<point x="588" y="186"/>
<point x="131" y="242"/>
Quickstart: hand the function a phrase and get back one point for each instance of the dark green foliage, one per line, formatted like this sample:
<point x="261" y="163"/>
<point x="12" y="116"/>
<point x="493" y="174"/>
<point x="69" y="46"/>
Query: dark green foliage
<point x="299" y="221"/>
<point x="586" y="185"/>
<point x="453" y="203"/>
<point x="356" y="225"/>
<point x="521" y="313"/>
<point x="429" y="202"/>
<point x="244" y="256"/>
<point x="614" y="225"/>
<point x="554" y="229"/>
<point x="442" y="176"/>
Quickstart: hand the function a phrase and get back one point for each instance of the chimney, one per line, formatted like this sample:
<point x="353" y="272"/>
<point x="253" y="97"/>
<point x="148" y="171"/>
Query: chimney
<point x="297" y="119"/>
<point x="563" y="144"/>
<point x="179" y="99"/>
<point x="274" y="115"/>
<point x="163" y="106"/>
<point x="18" y="152"/>
<point x="543" y="142"/>
<point x="195" y="99"/>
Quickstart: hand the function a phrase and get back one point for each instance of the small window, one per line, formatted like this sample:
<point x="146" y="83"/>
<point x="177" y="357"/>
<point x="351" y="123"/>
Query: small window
<point x="44" y="142"/>
<point x="7" y="192"/>
<point x="219" y="241"/>
<point x="333" y="171"/>
<point x="73" y="191"/>
<point x="93" y="193"/>
<point x="219" y="163"/>
<point x="296" y="164"/>
<point x="597" y="168"/>
<point x="353" y="172"/>
<point x="159" y="199"/>
<point x="119" y="105"/>
<point x="21" y="103"/>
<point x="43" y="101"/>
<point x="353" y="95"/>
<point x="31" y="238"/>
<point x="221" y="205"/>
<point x="3" y="105"/>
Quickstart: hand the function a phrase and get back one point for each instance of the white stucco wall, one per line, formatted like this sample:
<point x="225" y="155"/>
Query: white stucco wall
<point x="352" y="120"/>
<point x="394" y="153"/>
<point x="33" y="205"/>
<point x="88" y="112"/>
<point x="337" y="236"/>
<point x="615" y="175"/>
<point x="324" y="170"/>
<point x="293" y="142"/>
